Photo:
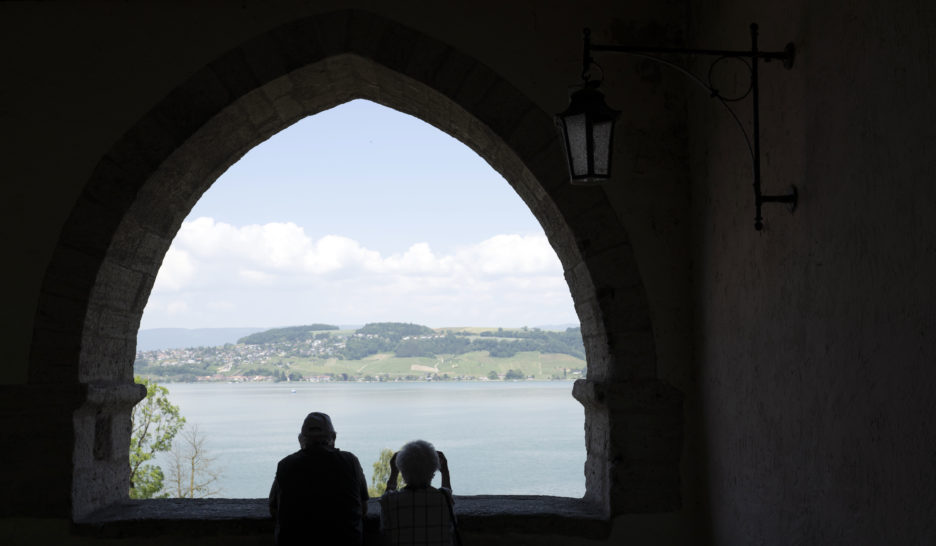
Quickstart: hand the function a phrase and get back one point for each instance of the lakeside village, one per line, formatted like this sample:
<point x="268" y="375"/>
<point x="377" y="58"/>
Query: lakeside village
<point x="377" y="352"/>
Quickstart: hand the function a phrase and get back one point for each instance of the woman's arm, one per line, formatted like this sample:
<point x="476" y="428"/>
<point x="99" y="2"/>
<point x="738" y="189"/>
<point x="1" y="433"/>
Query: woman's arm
<point x="443" y="467"/>
<point x="394" y="472"/>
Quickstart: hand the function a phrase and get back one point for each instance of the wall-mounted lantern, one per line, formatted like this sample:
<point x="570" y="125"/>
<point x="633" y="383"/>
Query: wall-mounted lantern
<point x="587" y="125"/>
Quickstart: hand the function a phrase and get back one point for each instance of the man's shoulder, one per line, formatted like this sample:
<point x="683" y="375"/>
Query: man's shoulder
<point x="291" y="457"/>
<point x="347" y="455"/>
<point x="319" y="454"/>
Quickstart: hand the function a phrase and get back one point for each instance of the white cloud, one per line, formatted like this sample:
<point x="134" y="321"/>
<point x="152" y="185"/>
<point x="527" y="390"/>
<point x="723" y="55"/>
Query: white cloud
<point x="177" y="270"/>
<point x="176" y="308"/>
<point x="512" y="255"/>
<point x="333" y="253"/>
<point x="252" y="276"/>
<point x="277" y="275"/>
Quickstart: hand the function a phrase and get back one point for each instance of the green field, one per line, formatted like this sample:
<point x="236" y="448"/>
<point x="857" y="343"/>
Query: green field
<point x="476" y="364"/>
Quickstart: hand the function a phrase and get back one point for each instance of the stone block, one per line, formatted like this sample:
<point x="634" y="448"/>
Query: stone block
<point x="259" y="110"/>
<point x="60" y="314"/>
<point x="89" y="227"/>
<point x="156" y="212"/>
<point x="310" y="81"/>
<point x="264" y="58"/>
<point x="450" y="77"/>
<point x="298" y="44"/>
<point x="289" y="110"/>
<point x="425" y="59"/>
<point x="71" y="273"/>
<point x="107" y="358"/>
<point x="233" y="72"/>
<point x="332" y="31"/>
<point x="512" y="117"/>
<point x="117" y="287"/>
<point x="391" y="46"/>
<point x="136" y="247"/>
<point x="476" y="83"/>
<point x="54" y="356"/>
<point x="111" y="185"/>
<point x="278" y="88"/>
<point x="525" y="127"/>
<point x="190" y="106"/>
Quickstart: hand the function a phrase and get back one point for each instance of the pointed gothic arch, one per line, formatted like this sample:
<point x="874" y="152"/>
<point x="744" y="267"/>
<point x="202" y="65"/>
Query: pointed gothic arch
<point x="113" y="243"/>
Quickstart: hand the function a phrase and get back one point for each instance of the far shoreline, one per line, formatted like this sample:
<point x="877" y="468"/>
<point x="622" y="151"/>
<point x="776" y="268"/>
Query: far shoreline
<point x="273" y="382"/>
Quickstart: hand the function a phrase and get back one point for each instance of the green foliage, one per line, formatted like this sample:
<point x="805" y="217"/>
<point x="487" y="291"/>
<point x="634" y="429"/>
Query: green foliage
<point x="568" y="342"/>
<point x="154" y="423"/>
<point x="381" y="474"/>
<point x="395" y="331"/>
<point x="147" y="482"/>
<point x="382" y="337"/>
<point x="175" y="373"/>
<point x="290" y="334"/>
<point x="514" y="374"/>
<point x="492" y="375"/>
<point x="446" y="345"/>
<point x="357" y="348"/>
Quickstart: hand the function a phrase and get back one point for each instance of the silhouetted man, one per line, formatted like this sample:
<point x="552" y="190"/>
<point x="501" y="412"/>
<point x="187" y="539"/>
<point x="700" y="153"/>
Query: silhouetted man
<point x="319" y="495"/>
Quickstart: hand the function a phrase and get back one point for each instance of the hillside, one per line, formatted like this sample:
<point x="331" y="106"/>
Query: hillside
<point x="385" y="351"/>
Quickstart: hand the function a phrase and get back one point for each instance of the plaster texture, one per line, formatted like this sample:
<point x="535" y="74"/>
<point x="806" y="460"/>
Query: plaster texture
<point x="815" y="338"/>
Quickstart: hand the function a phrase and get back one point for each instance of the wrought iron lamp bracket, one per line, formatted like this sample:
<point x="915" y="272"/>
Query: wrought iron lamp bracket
<point x="750" y="58"/>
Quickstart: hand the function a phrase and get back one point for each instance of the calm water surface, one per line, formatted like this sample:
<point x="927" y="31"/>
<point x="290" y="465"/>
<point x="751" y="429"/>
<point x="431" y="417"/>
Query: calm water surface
<point x="500" y="438"/>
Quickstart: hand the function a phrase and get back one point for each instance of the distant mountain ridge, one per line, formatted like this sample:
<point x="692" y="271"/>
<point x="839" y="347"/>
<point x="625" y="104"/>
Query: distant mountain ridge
<point x="182" y="338"/>
<point x="289" y="333"/>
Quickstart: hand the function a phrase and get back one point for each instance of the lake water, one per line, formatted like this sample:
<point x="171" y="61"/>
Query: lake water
<point x="499" y="437"/>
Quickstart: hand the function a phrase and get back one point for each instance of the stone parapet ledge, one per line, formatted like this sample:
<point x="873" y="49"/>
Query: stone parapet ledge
<point x="634" y="396"/>
<point x="114" y="396"/>
<point x="481" y="514"/>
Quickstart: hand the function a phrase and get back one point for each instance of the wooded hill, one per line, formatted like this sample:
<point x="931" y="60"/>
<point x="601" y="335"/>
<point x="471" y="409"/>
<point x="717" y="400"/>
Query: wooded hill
<point x="377" y="350"/>
<point x="410" y="340"/>
<point x="288" y="334"/>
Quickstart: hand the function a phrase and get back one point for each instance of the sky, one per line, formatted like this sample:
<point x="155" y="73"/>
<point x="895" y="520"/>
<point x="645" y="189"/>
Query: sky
<point x="360" y="214"/>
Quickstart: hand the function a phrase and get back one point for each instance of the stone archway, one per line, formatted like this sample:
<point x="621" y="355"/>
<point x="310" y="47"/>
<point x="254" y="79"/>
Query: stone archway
<point x="111" y="247"/>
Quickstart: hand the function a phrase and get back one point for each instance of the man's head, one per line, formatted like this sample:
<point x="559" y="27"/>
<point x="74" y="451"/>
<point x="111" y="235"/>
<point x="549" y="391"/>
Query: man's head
<point x="317" y="430"/>
<point x="418" y="462"/>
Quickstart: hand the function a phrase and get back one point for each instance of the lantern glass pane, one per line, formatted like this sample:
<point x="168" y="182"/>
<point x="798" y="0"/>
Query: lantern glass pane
<point x="577" y="144"/>
<point x="602" y="134"/>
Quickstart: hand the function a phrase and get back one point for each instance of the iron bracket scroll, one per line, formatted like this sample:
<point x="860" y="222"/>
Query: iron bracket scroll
<point x="750" y="58"/>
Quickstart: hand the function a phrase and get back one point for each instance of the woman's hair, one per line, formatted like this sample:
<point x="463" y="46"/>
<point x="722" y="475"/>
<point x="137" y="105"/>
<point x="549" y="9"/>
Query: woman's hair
<point x="418" y="462"/>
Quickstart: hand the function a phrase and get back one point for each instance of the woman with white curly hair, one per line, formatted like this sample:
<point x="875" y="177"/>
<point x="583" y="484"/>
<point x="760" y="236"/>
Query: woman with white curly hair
<point x="418" y="513"/>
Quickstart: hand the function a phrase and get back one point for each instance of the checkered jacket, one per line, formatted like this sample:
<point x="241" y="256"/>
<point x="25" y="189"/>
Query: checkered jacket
<point x="417" y="517"/>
